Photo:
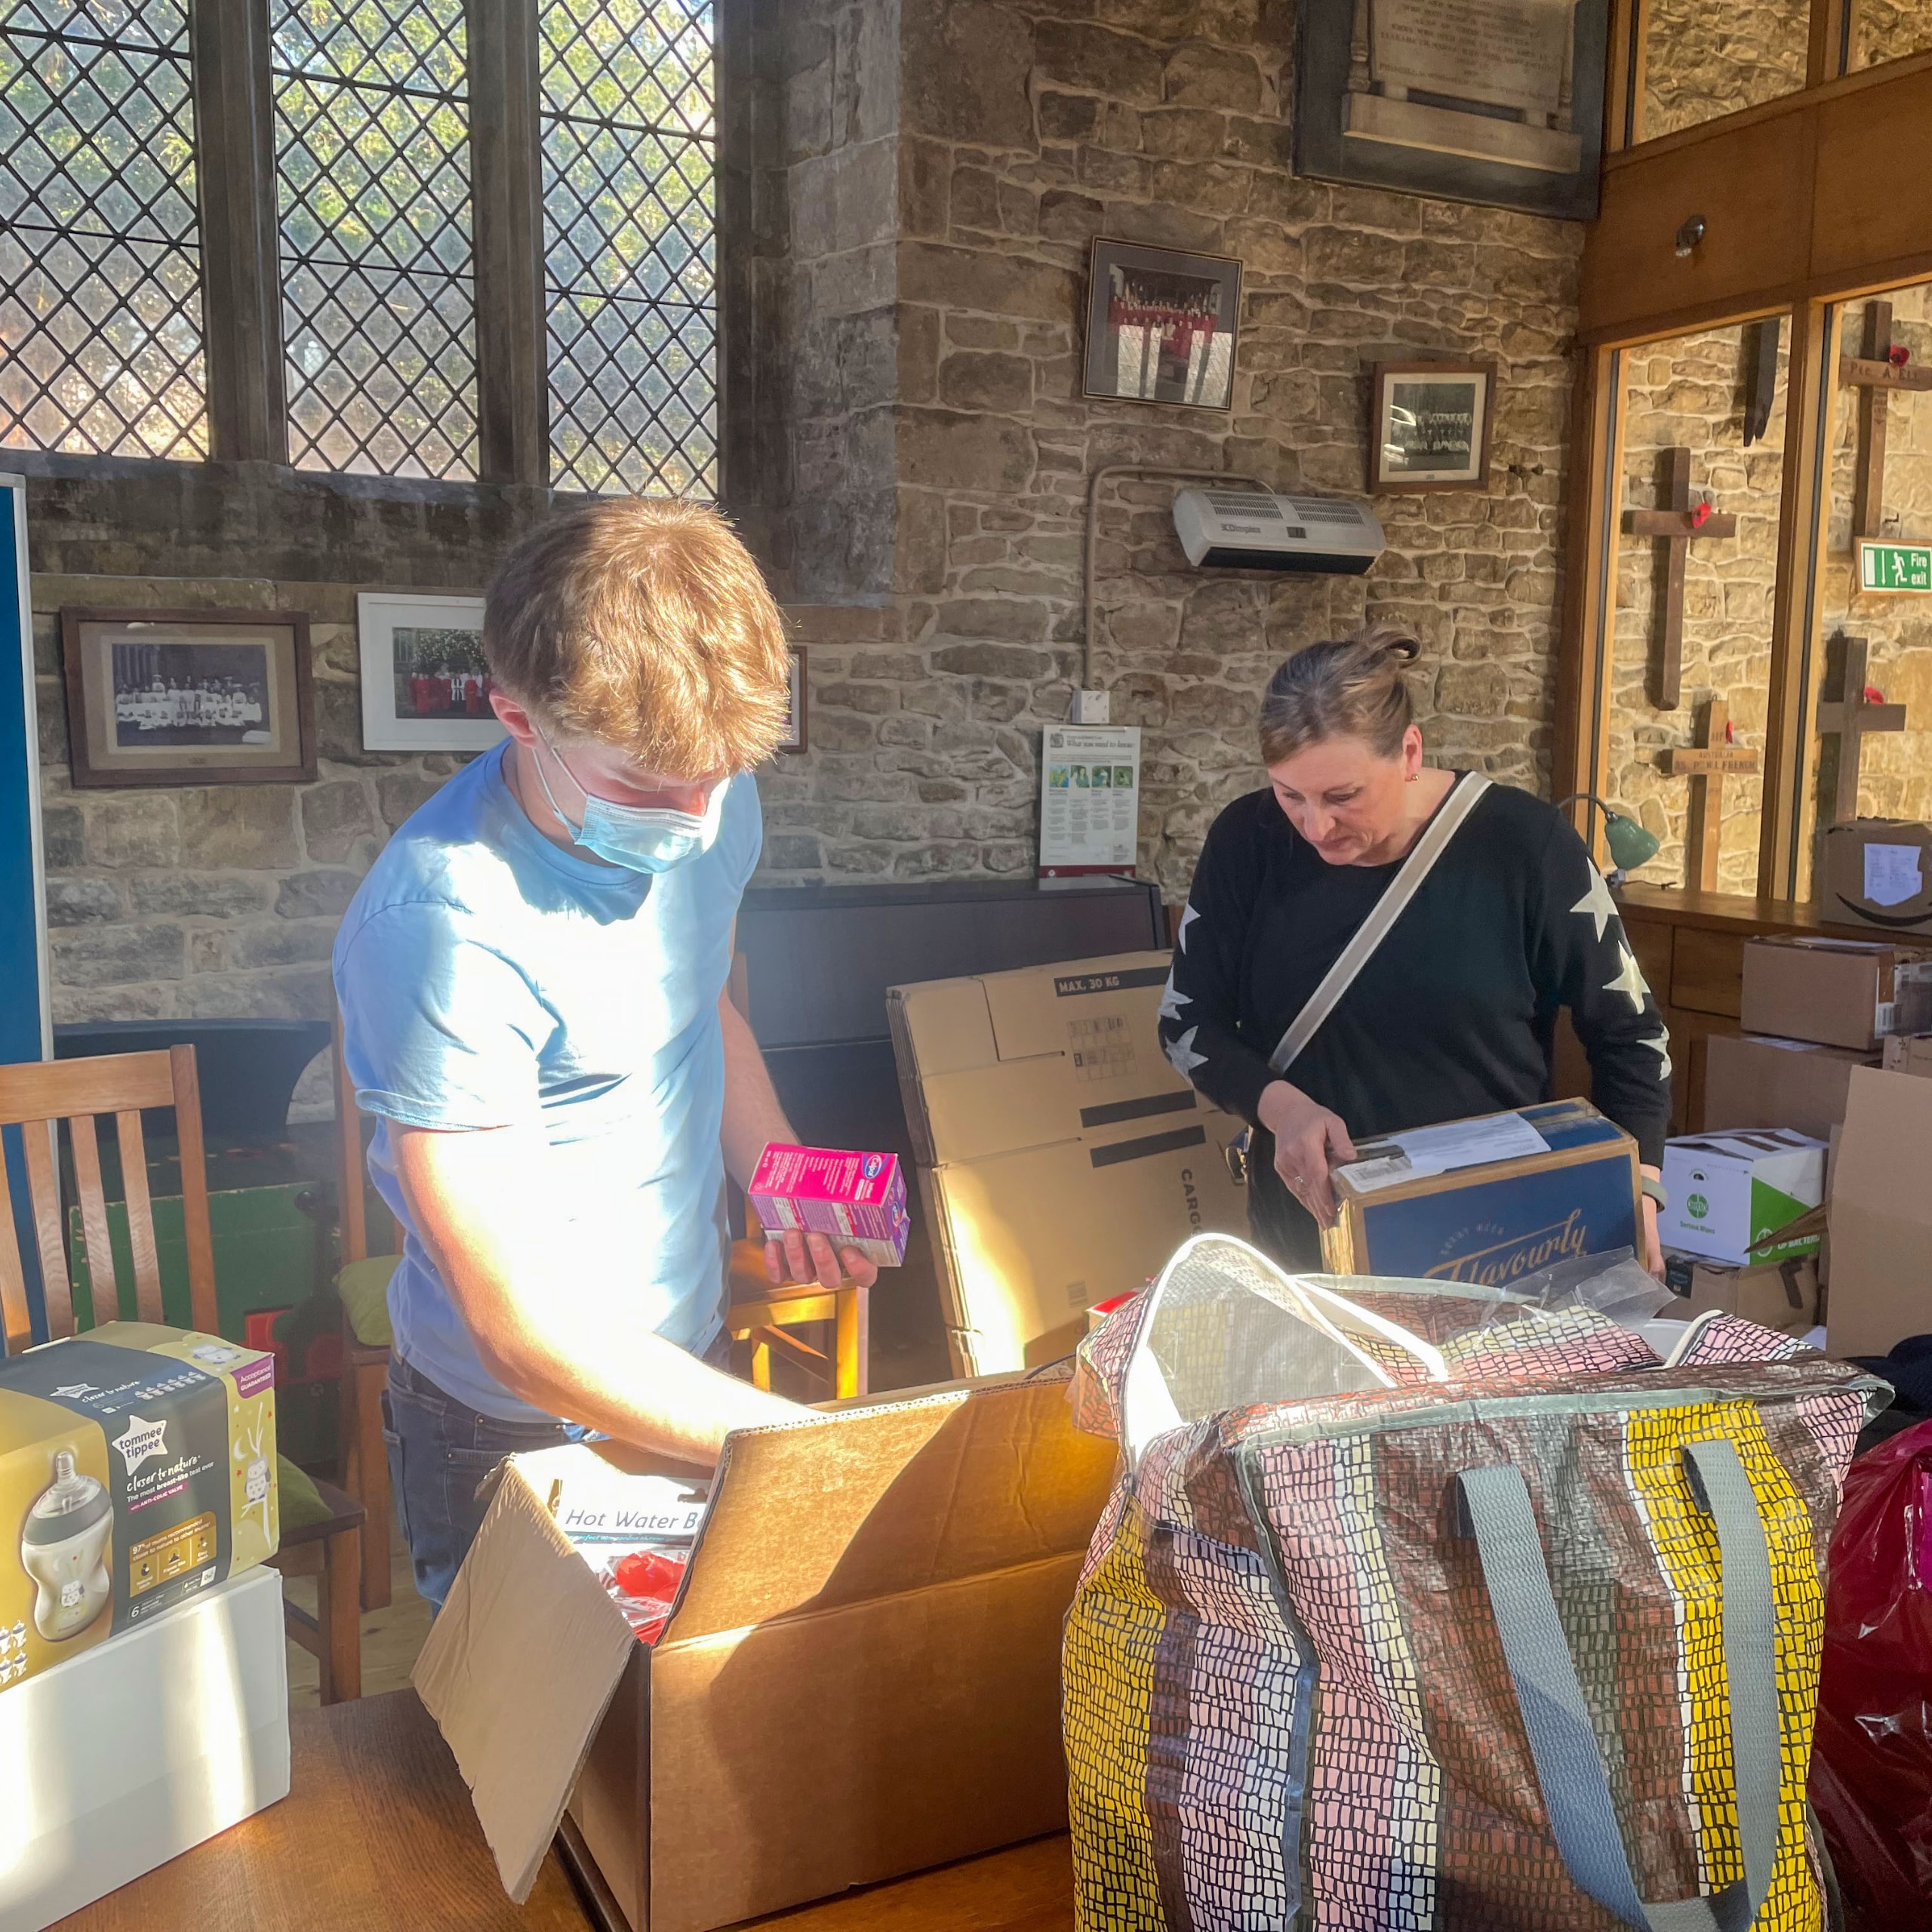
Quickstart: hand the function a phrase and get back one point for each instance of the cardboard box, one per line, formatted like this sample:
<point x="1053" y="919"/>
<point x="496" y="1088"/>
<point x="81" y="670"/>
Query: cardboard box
<point x="1728" y="1192"/>
<point x="1494" y="1221"/>
<point x="137" y="1468"/>
<point x="1062" y="1159"/>
<point x="1754" y="1080"/>
<point x="1908" y="1053"/>
<point x="1774" y="1294"/>
<point x="126" y="1755"/>
<point x="1878" y="871"/>
<point x="860" y="1676"/>
<point x="858" y="1199"/>
<point x="1881" y="1217"/>
<point x="1838" y="992"/>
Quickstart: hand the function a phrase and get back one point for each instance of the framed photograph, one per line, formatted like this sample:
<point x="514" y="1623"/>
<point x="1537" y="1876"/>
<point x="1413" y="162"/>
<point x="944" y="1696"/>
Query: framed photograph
<point x="425" y="685"/>
<point x="1161" y="327"/>
<point x="1429" y="425"/>
<point x="1496" y="101"/>
<point x="188" y="697"/>
<point x="795" y="739"/>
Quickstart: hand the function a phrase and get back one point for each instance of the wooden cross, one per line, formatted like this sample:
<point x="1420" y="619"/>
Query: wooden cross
<point x="1876" y="374"/>
<point x="1706" y="764"/>
<point x="1679" y="524"/>
<point x="1848" y="720"/>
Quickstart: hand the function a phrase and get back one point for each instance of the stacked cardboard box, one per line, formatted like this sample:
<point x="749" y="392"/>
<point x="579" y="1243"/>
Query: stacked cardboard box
<point x="1881" y="1215"/>
<point x="1062" y="1159"/>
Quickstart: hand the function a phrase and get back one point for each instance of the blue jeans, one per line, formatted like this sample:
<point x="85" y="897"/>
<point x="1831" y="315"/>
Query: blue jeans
<point x="441" y="1452"/>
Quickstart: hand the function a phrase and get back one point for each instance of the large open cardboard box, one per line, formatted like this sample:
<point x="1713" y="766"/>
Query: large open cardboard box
<point x="860" y="1677"/>
<point x="1881" y="1217"/>
<point x="1061" y="1158"/>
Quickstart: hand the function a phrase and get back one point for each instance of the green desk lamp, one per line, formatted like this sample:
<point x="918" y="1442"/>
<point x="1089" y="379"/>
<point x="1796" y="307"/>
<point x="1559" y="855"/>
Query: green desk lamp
<point x="1630" y="845"/>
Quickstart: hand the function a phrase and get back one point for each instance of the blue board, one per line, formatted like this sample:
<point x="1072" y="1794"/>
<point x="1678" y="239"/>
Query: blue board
<point x="25" y="1031"/>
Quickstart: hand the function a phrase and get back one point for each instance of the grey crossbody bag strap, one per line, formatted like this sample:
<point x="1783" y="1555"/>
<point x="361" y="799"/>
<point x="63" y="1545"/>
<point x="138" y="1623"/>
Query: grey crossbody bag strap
<point x="1373" y="929"/>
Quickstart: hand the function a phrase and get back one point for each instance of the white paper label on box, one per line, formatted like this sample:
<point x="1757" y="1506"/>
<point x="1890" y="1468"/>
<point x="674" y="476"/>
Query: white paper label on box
<point x="1441" y="1150"/>
<point x="629" y="1509"/>
<point x="1892" y="875"/>
<point x="1089" y="799"/>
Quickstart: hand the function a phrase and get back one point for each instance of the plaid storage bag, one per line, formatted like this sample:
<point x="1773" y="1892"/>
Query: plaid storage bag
<point x="1417" y="1607"/>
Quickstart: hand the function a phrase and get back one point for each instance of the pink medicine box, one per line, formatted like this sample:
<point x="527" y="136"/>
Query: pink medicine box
<point x="858" y="1199"/>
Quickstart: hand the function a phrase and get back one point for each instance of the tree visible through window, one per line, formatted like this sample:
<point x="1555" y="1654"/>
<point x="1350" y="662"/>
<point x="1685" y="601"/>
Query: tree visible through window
<point x="630" y="244"/>
<point x="379" y="298"/>
<point x="100" y="293"/>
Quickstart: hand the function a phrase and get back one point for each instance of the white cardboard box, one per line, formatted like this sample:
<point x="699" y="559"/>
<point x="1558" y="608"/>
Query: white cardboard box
<point x="1729" y="1190"/>
<point x="127" y="1755"/>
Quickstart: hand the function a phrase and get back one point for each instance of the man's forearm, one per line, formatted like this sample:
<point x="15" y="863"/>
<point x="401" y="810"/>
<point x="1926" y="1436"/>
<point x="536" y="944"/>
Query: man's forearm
<point x="753" y="1117"/>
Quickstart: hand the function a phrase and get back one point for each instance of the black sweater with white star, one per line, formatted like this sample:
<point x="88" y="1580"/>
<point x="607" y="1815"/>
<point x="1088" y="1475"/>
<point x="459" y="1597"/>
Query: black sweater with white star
<point x="1452" y="1015"/>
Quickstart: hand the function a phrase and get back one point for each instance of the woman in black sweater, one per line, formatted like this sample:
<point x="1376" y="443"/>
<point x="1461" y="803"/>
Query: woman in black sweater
<point x="1454" y="1013"/>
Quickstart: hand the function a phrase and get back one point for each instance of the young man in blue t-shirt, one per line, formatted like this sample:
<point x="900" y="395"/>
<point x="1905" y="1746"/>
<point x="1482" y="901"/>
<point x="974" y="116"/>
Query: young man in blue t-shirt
<point x="532" y="983"/>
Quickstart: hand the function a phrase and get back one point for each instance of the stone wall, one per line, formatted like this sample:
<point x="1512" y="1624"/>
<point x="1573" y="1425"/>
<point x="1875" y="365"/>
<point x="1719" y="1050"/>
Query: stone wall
<point x="1890" y="30"/>
<point x="1024" y="134"/>
<point x="1704" y="60"/>
<point x="1691" y="392"/>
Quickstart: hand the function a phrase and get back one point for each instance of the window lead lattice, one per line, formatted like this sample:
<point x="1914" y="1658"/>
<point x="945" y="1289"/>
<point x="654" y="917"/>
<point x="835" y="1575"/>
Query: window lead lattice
<point x="378" y="280"/>
<point x="101" y="342"/>
<point x="630" y="218"/>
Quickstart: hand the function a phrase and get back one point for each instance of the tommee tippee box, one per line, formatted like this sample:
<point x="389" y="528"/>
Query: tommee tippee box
<point x="136" y="1469"/>
<point x="858" y="1199"/>
<point x="1489" y="1199"/>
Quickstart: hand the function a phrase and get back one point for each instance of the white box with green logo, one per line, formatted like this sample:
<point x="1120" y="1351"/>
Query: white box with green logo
<point x="1729" y="1190"/>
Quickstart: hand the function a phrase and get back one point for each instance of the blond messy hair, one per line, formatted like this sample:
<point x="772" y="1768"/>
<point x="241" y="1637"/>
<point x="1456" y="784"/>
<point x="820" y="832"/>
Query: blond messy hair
<point x="644" y="624"/>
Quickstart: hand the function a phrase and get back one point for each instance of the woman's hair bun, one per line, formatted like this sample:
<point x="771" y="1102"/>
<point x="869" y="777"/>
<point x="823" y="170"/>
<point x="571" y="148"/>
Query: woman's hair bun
<point x="1387" y="640"/>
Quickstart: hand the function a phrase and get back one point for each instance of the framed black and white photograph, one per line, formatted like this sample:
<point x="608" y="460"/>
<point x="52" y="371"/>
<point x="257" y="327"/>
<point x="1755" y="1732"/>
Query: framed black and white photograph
<point x="795" y="738"/>
<point x="425" y="687"/>
<point x="188" y="697"/>
<point x="1160" y="326"/>
<point x="1429" y="425"/>
<point x="1499" y="101"/>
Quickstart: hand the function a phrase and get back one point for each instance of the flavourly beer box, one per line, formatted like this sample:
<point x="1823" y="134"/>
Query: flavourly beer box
<point x="1490" y="1200"/>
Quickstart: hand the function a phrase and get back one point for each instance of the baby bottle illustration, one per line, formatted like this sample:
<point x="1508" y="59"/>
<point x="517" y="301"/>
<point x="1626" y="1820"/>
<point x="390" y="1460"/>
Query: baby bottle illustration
<point x="64" y="1548"/>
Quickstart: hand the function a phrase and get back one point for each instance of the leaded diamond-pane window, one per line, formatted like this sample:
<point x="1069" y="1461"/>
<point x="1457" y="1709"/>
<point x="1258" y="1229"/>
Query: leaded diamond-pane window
<point x="100" y="275"/>
<point x="379" y="298"/>
<point x="630" y="245"/>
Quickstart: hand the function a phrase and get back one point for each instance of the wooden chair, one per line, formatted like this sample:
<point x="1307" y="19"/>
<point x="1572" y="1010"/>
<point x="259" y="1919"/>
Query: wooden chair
<point x="362" y="1286"/>
<point x="322" y="1538"/>
<point x="764" y="1315"/>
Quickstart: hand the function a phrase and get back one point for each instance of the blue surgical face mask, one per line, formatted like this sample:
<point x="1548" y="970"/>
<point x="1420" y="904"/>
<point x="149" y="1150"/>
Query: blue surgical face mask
<point x="640" y="839"/>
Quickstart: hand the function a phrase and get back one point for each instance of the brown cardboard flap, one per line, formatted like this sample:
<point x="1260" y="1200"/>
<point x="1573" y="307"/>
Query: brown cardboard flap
<point x="947" y="1023"/>
<point x="981" y="1110"/>
<point x="879" y="1502"/>
<point x="519" y="1668"/>
<point x="1881" y="1215"/>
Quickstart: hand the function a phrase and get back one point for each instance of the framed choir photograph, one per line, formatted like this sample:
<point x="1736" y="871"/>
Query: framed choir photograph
<point x="1429" y="428"/>
<point x="425" y="687"/>
<point x="188" y="697"/>
<point x="794" y="740"/>
<point x="1161" y="327"/>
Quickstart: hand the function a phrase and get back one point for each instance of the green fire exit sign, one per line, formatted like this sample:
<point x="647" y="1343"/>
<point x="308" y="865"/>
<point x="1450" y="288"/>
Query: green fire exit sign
<point x="1895" y="567"/>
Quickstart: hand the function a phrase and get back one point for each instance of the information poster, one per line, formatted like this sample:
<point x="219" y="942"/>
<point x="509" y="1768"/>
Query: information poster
<point x="1090" y="799"/>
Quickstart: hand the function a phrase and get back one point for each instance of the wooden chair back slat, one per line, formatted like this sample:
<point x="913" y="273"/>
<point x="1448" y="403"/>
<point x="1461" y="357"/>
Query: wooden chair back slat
<point x="194" y="1192"/>
<point x="37" y="1096"/>
<point x="44" y="1198"/>
<point x="140" y="1216"/>
<point x="16" y="1325"/>
<point x="360" y="1240"/>
<point x="58" y="1089"/>
<point x="104" y="1282"/>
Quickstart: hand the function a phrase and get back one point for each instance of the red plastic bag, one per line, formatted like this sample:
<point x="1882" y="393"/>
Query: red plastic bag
<point x="1872" y="1762"/>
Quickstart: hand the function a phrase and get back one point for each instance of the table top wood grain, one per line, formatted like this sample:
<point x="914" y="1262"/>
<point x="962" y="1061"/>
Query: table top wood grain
<point x="377" y="1835"/>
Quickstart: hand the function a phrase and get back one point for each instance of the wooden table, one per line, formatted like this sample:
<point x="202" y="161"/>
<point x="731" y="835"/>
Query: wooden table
<point x="377" y="1835"/>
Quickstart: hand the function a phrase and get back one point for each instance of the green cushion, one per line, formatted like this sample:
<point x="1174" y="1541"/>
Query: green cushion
<point x="301" y="1502"/>
<point x="363" y="1288"/>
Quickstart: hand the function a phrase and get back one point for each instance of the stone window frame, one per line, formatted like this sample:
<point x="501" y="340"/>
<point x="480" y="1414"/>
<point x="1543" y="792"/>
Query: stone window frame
<point x="231" y="54"/>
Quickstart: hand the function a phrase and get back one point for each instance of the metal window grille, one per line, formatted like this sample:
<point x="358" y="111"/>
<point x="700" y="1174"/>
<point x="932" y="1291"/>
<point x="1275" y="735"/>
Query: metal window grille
<point x="378" y="286"/>
<point x="630" y="222"/>
<point x="100" y="273"/>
